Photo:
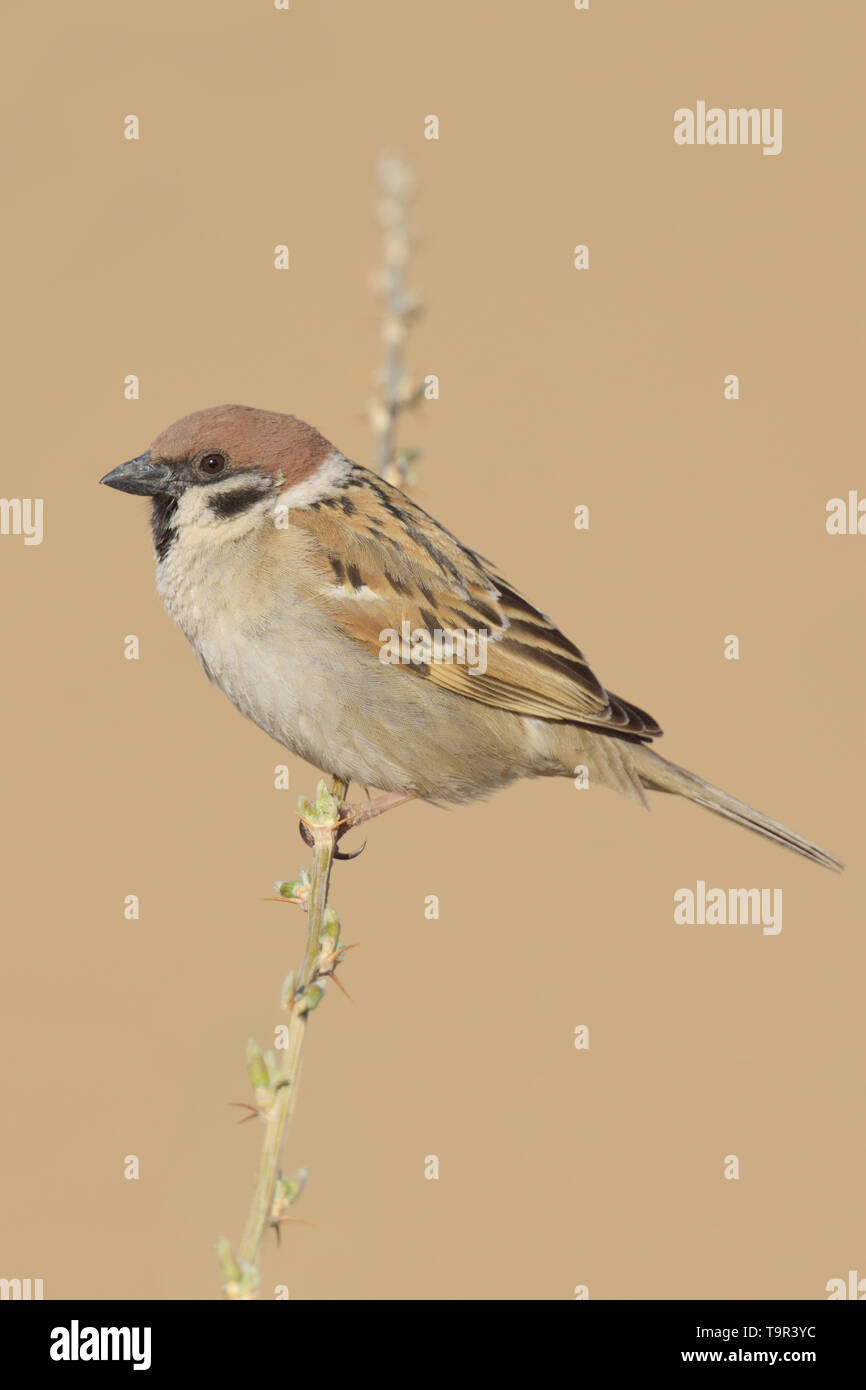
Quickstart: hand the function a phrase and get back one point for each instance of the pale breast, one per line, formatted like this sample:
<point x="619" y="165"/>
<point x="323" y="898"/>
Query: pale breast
<point x="250" y="616"/>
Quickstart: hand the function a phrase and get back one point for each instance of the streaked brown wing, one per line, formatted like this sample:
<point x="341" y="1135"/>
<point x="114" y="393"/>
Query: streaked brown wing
<point x="383" y="561"/>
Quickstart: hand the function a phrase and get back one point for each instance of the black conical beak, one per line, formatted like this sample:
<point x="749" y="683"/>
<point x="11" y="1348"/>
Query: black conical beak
<point x="141" y="476"/>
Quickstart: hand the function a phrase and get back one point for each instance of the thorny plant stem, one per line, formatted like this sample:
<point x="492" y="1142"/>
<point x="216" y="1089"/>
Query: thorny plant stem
<point x="284" y="1089"/>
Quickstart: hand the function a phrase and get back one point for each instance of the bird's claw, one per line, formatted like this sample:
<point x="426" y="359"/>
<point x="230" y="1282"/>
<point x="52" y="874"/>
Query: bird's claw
<point x="353" y="854"/>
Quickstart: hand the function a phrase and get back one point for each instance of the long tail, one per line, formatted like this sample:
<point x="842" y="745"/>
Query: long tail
<point x="659" y="775"/>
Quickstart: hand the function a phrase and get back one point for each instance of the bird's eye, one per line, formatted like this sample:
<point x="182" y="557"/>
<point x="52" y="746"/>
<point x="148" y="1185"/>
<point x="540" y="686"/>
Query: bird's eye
<point x="212" y="464"/>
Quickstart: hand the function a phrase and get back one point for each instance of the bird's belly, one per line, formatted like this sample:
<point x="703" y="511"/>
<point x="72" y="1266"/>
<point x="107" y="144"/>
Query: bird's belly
<point x="346" y="713"/>
<point x="337" y="706"/>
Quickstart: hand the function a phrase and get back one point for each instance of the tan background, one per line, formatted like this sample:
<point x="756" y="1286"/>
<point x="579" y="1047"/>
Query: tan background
<point x="707" y="517"/>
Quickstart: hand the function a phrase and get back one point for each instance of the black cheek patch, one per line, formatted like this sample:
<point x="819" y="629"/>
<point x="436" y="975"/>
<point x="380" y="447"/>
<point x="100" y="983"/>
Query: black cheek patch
<point x="227" y="504"/>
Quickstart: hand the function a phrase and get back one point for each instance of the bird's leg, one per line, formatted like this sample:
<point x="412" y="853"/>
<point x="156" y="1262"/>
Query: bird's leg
<point x="350" y="816"/>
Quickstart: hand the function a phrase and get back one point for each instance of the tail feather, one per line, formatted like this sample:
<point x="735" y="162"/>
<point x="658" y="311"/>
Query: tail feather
<point x="657" y="774"/>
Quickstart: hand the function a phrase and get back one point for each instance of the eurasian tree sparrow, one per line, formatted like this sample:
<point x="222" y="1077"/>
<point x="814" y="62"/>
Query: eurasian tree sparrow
<point x="285" y="564"/>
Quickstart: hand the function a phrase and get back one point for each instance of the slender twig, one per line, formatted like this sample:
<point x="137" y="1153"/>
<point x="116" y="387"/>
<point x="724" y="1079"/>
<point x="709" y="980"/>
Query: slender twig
<point x="275" y="1084"/>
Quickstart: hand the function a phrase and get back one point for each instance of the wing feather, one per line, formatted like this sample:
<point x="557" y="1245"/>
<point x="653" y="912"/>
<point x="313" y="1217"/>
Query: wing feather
<point x="381" y="561"/>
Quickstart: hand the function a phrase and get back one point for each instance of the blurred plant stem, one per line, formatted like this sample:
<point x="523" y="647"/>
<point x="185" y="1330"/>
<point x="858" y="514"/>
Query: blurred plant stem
<point x="401" y="305"/>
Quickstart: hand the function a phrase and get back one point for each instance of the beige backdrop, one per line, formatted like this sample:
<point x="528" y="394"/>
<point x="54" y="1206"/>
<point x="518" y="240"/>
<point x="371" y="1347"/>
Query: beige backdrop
<point x="558" y="1167"/>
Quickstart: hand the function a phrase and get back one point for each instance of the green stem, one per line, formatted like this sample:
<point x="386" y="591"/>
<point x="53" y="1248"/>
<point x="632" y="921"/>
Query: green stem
<point x="285" y="1088"/>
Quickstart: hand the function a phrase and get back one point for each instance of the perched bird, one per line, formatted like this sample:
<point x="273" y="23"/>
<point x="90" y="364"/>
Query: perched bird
<point x="290" y="569"/>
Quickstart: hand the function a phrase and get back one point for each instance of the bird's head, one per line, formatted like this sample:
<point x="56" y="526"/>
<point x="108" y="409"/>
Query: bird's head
<point x="223" y="463"/>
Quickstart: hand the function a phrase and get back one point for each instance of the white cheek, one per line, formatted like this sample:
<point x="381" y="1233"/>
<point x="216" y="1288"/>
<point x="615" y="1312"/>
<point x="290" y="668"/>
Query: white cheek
<point x="192" y="508"/>
<point x="196" y="519"/>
